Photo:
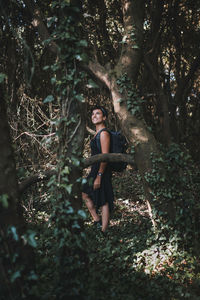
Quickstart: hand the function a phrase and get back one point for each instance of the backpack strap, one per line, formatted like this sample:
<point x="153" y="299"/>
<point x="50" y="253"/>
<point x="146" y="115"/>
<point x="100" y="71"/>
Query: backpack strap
<point x="98" y="138"/>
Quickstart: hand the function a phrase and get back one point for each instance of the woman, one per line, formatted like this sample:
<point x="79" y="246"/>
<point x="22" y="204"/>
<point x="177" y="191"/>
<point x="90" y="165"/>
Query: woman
<point x="98" y="192"/>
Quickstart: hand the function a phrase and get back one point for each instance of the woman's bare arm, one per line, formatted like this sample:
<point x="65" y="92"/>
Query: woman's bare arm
<point x="105" y="148"/>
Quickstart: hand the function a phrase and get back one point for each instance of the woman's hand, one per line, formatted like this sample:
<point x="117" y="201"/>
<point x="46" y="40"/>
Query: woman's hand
<point x="97" y="183"/>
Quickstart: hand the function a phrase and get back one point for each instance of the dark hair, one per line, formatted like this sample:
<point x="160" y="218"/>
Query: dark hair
<point x="103" y="109"/>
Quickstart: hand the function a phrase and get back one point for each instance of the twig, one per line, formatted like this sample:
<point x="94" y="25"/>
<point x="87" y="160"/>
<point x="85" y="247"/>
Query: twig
<point x="34" y="135"/>
<point x="91" y="131"/>
<point x="79" y="123"/>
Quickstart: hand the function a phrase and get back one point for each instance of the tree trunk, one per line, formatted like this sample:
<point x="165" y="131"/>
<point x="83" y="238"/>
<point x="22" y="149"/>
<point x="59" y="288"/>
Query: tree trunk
<point x="17" y="260"/>
<point x="135" y="129"/>
<point x="71" y="256"/>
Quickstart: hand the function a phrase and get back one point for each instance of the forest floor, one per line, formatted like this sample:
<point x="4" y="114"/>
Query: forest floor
<point x="131" y="263"/>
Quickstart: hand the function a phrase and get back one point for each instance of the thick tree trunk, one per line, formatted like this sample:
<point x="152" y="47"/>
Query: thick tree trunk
<point x="71" y="149"/>
<point x="16" y="258"/>
<point x="151" y="60"/>
<point x="129" y="63"/>
<point x="134" y="129"/>
<point x="71" y="131"/>
<point x="136" y="132"/>
<point x="162" y="99"/>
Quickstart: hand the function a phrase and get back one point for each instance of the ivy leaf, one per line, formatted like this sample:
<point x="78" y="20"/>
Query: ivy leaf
<point x="29" y="237"/>
<point x="51" y="20"/>
<point x="46" y="68"/>
<point x="15" y="275"/>
<point x="31" y="240"/>
<point x="82" y="213"/>
<point x="92" y="85"/>
<point x="83" y="43"/>
<point x="80" y="98"/>
<point x="48" y="99"/>
<point x="76" y="161"/>
<point x="2" y="77"/>
<point x="66" y="170"/>
<point x="70" y="210"/>
<point x="32" y="276"/>
<point x="69" y="188"/>
<point x="14" y="232"/>
<point x="4" y="200"/>
<point x="84" y="180"/>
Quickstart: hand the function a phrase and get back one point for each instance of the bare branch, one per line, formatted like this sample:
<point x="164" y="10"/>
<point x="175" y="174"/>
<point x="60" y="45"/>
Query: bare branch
<point x="33" y="179"/>
<point x="109" y="157"/>
<point x="91" y="131"/>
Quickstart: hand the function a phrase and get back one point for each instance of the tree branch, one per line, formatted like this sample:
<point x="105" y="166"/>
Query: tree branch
<point x="108" y="157"/>
<point x="33" y="179"/>
<point x="184" y="82"/>
<point x="99" y="72"/>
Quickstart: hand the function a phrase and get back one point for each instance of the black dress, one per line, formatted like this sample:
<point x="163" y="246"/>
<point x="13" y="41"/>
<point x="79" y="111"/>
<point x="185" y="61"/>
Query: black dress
<point x="104" y="194"/>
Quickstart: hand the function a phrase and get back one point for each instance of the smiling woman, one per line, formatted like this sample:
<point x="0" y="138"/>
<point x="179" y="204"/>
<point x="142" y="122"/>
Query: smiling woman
<point x="98" y="191"/>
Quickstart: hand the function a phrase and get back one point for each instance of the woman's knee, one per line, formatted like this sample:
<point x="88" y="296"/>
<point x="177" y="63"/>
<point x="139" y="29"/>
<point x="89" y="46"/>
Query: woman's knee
<point x="90" y="204"/>
<point x="88" y="201"/>
<point x="85" y="197"/>
<point x="105" y="206"/>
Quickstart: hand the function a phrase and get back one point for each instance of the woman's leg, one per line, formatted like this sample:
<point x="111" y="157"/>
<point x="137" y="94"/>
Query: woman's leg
<point x="105" y="217"/>
<point x="90" y="205"/>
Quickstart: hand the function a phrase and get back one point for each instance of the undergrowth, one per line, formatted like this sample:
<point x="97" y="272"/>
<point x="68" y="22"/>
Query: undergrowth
<point x="130" y="262"/>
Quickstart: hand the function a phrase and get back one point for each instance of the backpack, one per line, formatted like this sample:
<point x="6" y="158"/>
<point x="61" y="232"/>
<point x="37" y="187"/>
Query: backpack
<point x="118" y="144"/>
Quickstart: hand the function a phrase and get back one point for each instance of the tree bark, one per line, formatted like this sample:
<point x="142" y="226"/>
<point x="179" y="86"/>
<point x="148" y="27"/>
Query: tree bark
<point x="130" y="59"/>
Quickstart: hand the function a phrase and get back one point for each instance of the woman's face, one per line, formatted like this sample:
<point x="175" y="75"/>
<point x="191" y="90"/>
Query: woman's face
<point x="97" y="117"/>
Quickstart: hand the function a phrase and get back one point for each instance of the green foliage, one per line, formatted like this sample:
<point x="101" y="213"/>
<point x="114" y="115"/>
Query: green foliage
<point x="29" y="238"/>
<point x="14" y="263"/>
<point x="130" y="263"/>
<point x="133" y="100"/>
<point x="62" y="247"/>
<point x="2" y="77"/>
<point x="4" y="200"/>
<point x="174" y="190"/>
<point x="66" y="221"/>
<point x="132" y="36"/>
<point x="48" y="99"/>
